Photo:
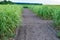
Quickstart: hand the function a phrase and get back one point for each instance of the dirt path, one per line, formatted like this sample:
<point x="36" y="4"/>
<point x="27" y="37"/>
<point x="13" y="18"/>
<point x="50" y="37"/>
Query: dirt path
<point x="34" y="28"/>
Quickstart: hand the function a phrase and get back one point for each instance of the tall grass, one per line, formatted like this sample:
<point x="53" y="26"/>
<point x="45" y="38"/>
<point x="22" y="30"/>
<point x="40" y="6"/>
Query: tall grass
<point x="10" y="18"/>
<point x="48" y="12"/>
<point x="43" y="11"/>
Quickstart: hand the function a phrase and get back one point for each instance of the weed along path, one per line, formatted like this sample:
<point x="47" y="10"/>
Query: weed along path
<point x="34" y="28"/>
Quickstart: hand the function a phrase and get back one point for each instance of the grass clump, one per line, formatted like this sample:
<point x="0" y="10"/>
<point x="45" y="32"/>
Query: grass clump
<point x="10" y="18"/>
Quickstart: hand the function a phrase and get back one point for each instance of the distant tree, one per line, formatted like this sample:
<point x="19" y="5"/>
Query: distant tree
<point x="6" y="2"/>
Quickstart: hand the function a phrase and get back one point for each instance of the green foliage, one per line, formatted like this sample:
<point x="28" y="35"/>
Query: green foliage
<point x="43" y="11"/>
<point x="58" y="34"/>
<point x="10" y="18"/>
<point x="56" y="18"/>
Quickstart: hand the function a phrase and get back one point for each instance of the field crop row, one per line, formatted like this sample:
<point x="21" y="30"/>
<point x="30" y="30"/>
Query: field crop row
<point x="48" y="12"/>
<point x="10" y="18"/>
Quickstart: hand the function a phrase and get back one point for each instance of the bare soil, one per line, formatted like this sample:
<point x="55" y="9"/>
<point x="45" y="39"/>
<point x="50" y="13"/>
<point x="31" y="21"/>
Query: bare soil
<point x="34" y="28"/>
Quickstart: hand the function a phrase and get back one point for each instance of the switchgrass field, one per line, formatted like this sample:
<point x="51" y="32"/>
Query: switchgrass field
<point x="10" y="18"/>
<point x="48" y="12"/>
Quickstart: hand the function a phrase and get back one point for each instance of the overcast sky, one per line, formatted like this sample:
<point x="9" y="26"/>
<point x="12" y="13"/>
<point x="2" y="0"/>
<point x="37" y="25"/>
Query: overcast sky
<point x="39" y="1"/>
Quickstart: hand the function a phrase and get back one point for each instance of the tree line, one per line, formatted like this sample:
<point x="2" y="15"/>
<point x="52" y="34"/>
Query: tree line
<point x="6" y="2"/>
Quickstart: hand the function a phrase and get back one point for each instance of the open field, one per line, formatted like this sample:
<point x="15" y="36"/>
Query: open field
<point x="11" y="18"/>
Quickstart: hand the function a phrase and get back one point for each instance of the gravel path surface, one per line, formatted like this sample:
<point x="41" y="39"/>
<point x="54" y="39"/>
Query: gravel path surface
<point x="34" y="28"/>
